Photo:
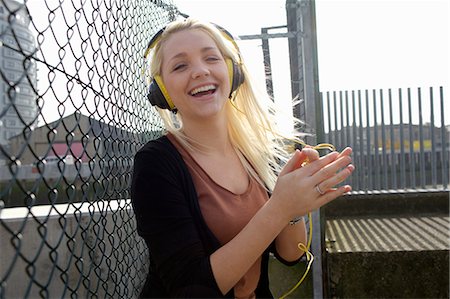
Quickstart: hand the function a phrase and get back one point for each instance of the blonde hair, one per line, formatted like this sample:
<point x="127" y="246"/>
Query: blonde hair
<point x="259" y="145"/>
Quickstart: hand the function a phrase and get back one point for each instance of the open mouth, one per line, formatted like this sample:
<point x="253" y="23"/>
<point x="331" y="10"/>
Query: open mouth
<point x="203" y="90"/>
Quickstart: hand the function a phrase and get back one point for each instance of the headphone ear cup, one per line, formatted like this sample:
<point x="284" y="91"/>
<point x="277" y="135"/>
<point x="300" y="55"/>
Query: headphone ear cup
<point x="238" y="77"/>
<point x="156" y="97"/>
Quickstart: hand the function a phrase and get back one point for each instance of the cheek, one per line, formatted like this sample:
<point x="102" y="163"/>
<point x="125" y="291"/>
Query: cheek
<point x="226" y="79"/>
<point x="173" y="86"/>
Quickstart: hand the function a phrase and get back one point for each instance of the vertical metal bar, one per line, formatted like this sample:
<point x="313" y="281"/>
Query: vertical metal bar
<point x="362" y="166"/>
<point x="267" y="63"/>
<point x="356" y="154"/>
<point x="411" y="164"/>
<point x="347" y="128"/>
<point x="445" y="164"/>
<point x="376" y="161"/>
<point x="392" y="141"/>
<point x="291" y="22"/>
<point x="341" y="113"/>
<point x="422" y="153"/>
<point x="347" y="124"/>
<point x="320" y="125"/>
<point x="402" y="143"/>
<point x="335" y="112"/>
<point x="369" y="152"/>
<point x="306" y="20"/>
<point x="384" y="165"/>
<point x="330" y="134"/>
<point x="433" y="142"/>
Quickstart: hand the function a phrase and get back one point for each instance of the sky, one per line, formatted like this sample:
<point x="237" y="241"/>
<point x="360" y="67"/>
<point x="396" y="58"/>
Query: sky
<point x="362" y="44"/>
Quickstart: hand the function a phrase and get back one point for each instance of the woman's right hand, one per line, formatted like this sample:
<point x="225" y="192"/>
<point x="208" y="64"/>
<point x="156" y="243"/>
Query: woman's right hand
<point x="302" y="189"/>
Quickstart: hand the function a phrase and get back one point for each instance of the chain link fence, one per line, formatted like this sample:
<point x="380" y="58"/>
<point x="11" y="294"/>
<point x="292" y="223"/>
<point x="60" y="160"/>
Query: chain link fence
<point x="73" y="112"/>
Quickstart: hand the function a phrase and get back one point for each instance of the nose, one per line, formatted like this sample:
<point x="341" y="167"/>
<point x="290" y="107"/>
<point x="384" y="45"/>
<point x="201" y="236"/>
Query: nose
<point x="200" y="69"/>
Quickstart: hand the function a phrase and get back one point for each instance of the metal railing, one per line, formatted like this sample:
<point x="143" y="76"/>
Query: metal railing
<point x="400" y="138"/>
<point x="73" y="112"/>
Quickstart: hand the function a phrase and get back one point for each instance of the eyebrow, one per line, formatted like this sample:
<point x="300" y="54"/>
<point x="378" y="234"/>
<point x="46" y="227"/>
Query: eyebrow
<point x="183" y="54"/>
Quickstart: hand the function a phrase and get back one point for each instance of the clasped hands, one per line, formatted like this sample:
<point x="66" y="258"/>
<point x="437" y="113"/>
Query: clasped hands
<point x="304" y="187"/>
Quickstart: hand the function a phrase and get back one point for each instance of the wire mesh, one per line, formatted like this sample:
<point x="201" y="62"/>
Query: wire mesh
<point x="72" y="114"/>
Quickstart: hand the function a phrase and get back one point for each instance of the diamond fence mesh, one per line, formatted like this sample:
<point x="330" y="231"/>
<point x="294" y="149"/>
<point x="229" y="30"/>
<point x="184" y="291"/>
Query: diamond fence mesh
<point x="73" y="112"/>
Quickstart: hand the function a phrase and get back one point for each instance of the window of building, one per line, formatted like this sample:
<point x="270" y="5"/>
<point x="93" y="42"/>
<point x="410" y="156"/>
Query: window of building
<point x="10" y="53"/>
<point x="11" y="123"/>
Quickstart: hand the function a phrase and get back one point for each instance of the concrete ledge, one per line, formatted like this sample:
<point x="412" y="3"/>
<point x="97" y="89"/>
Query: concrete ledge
<point x="383" y="203"/>
<point x="397" y="274"/>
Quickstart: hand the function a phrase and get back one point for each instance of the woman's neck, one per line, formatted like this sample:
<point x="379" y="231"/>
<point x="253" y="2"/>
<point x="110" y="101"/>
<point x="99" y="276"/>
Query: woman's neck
<point x="211" y="136"/>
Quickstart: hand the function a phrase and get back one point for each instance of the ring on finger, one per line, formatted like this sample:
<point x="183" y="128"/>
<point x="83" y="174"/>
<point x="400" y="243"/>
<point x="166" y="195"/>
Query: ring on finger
<point x="319" y="190"/>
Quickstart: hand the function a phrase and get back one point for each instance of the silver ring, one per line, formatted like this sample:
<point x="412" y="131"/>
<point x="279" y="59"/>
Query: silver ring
<point x="318" y="190"/>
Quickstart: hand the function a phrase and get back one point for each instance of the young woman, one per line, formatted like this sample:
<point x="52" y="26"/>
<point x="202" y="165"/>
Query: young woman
<point x="209" y="196"/>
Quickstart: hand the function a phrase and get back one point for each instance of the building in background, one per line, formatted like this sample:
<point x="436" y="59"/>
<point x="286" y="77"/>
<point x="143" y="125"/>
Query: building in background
<point x="18" y="75"/>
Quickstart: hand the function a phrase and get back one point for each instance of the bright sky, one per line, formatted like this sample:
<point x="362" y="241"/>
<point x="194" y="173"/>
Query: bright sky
<point x="362" y="44"/>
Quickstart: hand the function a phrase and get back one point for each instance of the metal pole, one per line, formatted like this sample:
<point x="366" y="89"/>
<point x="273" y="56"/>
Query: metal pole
<point x="267" y="64"/>
<point x="444" y="137"/>
<point x="313" y="116"/>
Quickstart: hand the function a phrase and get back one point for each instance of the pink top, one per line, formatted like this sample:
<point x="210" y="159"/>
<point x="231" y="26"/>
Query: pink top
<point x="226" y="213"/>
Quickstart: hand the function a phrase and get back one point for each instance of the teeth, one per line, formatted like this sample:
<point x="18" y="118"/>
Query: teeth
<point x="203" y="88"/>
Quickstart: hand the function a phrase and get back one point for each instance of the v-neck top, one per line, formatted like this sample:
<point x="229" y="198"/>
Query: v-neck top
<point x="226" y="213"/>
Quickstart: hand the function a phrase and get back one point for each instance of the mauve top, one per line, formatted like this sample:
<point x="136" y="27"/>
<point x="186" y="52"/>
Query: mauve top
<point x="227" y="213"/>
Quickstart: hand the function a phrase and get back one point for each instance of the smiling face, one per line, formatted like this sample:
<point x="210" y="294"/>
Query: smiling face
<point x="195" y="74"/>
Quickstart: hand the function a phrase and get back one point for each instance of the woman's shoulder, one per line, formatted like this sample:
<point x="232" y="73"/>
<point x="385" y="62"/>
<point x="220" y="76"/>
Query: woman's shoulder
<point x="157" y="150"/>
<point x="159" y="157"/>
<point x="157" y="143"/>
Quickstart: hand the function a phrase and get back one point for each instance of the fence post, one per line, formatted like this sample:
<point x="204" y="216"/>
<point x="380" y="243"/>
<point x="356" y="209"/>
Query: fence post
<point x="301" y="19"/>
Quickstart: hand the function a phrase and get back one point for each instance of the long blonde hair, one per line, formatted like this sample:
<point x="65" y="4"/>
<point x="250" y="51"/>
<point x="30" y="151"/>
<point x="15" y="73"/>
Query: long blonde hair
<point x="250" y="126"/>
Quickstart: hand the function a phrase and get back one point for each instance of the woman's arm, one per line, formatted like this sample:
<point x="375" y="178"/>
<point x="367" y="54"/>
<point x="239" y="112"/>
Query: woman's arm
<point x="288" y="239"/>
<point x="294" y="194"/>
<point x="292" y="235"/>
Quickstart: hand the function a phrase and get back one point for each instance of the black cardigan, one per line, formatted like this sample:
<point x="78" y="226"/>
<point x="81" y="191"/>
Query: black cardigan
<point x="169" y="219"/>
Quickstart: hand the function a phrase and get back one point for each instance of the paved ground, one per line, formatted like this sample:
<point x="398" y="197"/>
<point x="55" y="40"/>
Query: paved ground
<point x="388" y="233"/>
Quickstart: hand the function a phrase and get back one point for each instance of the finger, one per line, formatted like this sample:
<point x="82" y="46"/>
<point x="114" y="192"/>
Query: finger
<point x="311" y="154"/>
<point x="338" y="178"/>
<point x="346" y="152"/>
<point x="294" y="162"/>
<point x="316" y="165"/>
<point x="331" y="169"/>
<point x="332" y="194"/>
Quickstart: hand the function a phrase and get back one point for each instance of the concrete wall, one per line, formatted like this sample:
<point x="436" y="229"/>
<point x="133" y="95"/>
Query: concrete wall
<point x="393" y="274"/>
<point x="384" y="245"/>
<point x="78" y="250"/>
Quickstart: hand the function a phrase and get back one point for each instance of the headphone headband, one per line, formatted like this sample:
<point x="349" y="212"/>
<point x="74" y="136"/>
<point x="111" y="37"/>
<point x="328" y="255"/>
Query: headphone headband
<point x="155" y="39"/>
